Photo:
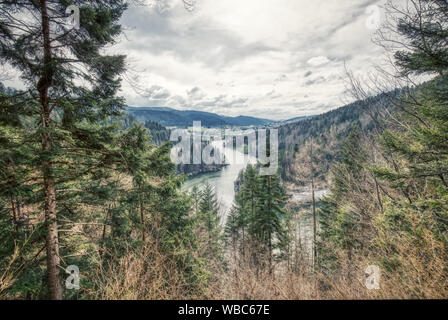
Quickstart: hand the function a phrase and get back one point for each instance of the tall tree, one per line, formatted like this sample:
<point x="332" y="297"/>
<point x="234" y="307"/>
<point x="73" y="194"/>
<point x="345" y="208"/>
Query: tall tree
<point x="345" y="215"/>
<point x="209" y="217"/>
<point x="267" y="224"/>
<point x="71" y="85"/>
<point x="147" y="164"/>
<point x="258" y="217"/>
<point x="392" y="206"/>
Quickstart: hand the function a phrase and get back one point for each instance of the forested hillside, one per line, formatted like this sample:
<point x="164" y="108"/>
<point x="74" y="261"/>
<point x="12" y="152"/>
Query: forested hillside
<point x="159" y="134"/>
<point x="329" y="130"/>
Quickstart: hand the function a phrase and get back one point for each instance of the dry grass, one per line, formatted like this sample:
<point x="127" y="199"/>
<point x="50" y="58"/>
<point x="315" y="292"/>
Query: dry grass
<point x="148" y="275"/>
<point x="143" y="274"/>
<point x="247" y="284"/>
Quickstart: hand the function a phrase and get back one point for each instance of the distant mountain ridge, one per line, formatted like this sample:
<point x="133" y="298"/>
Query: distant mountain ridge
<point x="169" y="117"/>
<point x="296" y="119"/>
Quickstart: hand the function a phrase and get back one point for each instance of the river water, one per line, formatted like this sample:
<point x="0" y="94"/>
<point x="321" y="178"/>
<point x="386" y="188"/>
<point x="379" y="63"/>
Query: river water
<point x="223" y="181"/>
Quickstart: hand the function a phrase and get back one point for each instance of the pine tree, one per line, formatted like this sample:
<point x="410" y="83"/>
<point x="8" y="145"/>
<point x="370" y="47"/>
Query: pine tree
<point x="246" y="204"/>
<point x="422" y="31"/>
<point x="209" y="217"/>
<point x="394" y="209"/>
<point x="345" y="216"/>
<point x="419" y="140"/>
<point x="196" y="196"/>
<point x="258" y="217"/>
<point x="147" y="164"/>
<point x="267" y="224"/>
<point x="53" y="59"/>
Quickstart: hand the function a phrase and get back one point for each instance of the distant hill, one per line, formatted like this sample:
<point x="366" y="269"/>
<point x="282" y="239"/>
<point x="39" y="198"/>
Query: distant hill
<point x="182" y="118"/>
<point x="296" y="119"/>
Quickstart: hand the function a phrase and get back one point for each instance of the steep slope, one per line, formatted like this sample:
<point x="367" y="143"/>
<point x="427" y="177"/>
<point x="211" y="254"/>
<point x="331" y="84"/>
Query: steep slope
<point x="328" y="131"/>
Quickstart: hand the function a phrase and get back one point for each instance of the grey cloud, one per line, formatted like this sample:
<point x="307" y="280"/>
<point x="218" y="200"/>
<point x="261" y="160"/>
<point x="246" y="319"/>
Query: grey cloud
<point x="196" y="93"/>
<point x="178" y="100"/>
<point x="223" y="101"/>
<point x="315" y="81"/>
<point x="157" y="93"/>
<point x="199" y="41"/>
<point x="216" y="57"/>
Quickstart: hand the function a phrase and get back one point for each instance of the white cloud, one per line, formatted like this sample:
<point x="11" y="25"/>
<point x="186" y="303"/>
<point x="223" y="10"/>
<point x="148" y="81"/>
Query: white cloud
<point x="318" y="61"/>
<point x="274" y="59"/>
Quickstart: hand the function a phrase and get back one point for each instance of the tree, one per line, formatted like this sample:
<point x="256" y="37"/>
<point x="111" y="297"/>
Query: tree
<point x="418" y="138"/>
<point x="144" y="163"/>
<point x="310" y="166"/>
<point x="346" y="215"/>
<point x="196" y="196"/>
<point x="313" y="197"/>
<point x="208" y="217"/>
<point x="389" y="204"/>
<point x="417" y="36"/>
<point x="71" y="87"/>
<point x="245" y="207"/>
<point x="267" y="224"/>
<point x="258" y="217"/>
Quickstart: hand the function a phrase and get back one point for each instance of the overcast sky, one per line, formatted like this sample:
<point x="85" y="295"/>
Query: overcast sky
<point x="275" y="59"/>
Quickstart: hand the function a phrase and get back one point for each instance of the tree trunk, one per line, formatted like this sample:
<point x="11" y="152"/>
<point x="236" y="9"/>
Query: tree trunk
<point x="314" y="225"/>
<point x="270" y="254"/>
<point x="378" y="196"/>
<point x="52" y="238"/>
<point x="142" y="219"/>
<point x="14" y="211"/>
<point x="102" y="249"/>
<point x="314" y="207"/>
<point x="270" y="233"/>
<point x="243" y="245"/>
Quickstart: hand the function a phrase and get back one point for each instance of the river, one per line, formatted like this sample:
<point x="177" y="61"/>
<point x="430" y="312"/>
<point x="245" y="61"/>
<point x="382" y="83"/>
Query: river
<point x="223" y="181"/>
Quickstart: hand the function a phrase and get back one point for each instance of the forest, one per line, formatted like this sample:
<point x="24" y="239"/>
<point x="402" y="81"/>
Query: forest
<point x="83" y="184"/>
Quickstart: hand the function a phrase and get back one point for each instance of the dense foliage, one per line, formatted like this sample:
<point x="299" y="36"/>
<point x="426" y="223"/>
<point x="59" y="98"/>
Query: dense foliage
<point x="256" y="223"/>
<point x="388" y="204"/>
